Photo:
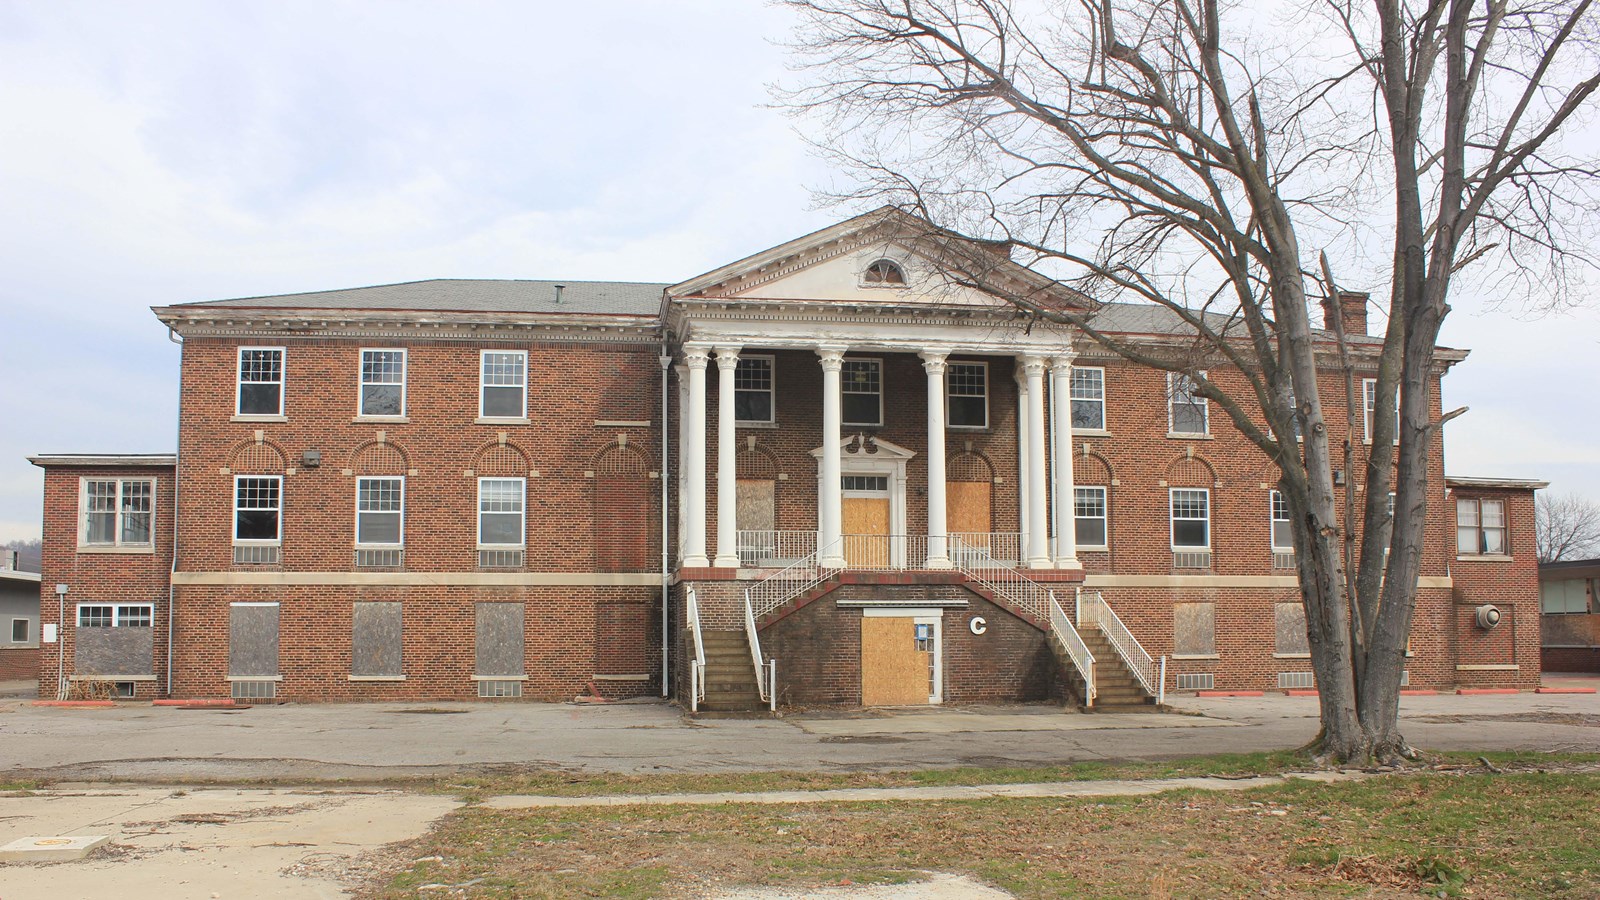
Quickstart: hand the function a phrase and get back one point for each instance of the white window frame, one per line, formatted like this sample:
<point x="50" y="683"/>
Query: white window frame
<point x="362" y="382"/>
<point x="116" y="544"/>
<point x="401" y="512"/>
<point x="27" y="626"/>
<point x="948" y="395"/>
<point x="239" y="383"/>
<point x="1073" y="399"/>
<point x="522" y="511"/>
<point x="903" y="283"/>
<point x="1274" y="499"/>
<point x="256" y="542"/>
<point x="1172" y="520"/>
<point x="771" y="390"/>
<point x="1104" y="517"/>
<point x="1369" y="403"/>
<point x="118" y="613"/>
<point x="1478" y="529"/>
<point x="1172" y="407"/>
<point x="842" y="392"/>
<point x="483" y="357"/>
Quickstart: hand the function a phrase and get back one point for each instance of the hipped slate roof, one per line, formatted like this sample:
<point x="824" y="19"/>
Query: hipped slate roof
<point x="619" y="298"/>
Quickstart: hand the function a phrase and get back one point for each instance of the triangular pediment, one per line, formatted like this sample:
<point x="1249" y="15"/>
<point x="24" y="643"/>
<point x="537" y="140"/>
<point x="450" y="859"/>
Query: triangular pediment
<point x="931" y="266"/>
<point x="867" y="446"/>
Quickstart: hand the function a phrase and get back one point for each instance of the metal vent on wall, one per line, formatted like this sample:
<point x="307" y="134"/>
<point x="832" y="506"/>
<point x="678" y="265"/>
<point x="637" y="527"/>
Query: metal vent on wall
<point x="255" y="555"/>
<point x="1297" y="680"/>
<point x="380" y="559"/>
<point x="1197" y="682"/>
<point x="1283" y="559"/>
<point x="1191" y="559"/>
<point x="492" y="689"/>
<point x="1405" y="677"/>
<point x="255" y="690"/>
<point x="499" y="559"/>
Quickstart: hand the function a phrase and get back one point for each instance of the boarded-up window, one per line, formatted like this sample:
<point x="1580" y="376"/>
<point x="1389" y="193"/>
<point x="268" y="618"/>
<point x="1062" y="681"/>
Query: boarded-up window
<point x="253" y="640"/>
<point x="375" y="639"/>
<point x="500" y="639"/>
<point x="621" y="511"/>
<point x="112" y="640"/>
<point x="757" y="504"/>
<point x="1194" y="629"/>
<point x="1291" y="630"/>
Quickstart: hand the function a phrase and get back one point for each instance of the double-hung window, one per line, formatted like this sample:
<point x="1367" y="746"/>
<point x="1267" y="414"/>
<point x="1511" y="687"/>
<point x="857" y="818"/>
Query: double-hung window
<point x="105" y="615"/>
<point x="1282" y="535"/>
<point x="1089" y="517"/>
<point x="380" y="512"/>
<point x="861" y="384"/>
<point x="19" y="631"/>
<point x="967" y="395"/>
<point x="117" y="513"/>
<point x="1480" y="527"/>
<point x="752" y="390"/>
<point x="1369" y="402"/>
<point x="500" y="512"/>
<point x="383" y="383"/>
<point x="503" y="386"/>
<point x="1191" y="519"/>
<point x="257" y="509"/>
<point x="1188" y="412"/>
<point x="1088" y="392"/>
<point x="260" y="381"/>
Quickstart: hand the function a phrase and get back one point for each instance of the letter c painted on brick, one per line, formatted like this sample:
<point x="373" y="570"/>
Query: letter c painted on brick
<point x="977" y="625"/>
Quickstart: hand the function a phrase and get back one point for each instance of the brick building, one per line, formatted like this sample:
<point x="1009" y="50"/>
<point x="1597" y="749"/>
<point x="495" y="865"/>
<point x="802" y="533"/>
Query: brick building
<point x="19" y="617"/>
<point x="886" y="486"/>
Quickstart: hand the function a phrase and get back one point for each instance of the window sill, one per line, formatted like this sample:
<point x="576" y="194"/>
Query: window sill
<point x="375" y="677"/>
<point x="111" y="678"/>
<point x="253" y="678"/>
<point x="1484" y="557"/>
<point x="1091" y="432"/>
<point x="244" y="417"/>
<point x="146" y="549"/>
<point x="388" y="420"/>
<point x="1196" y="656"/>
<point x="1183" y="436"/>
<point x="970" y="429"/>
<point x="499" y="678"/>
<point x="1291" y="656"/>
<point x="768" y="426"/>
<point x="500" y="420"/>
<point x="1094" y="548"/>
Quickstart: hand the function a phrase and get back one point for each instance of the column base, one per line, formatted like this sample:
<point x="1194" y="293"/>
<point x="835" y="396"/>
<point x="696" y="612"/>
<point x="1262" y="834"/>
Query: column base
<point x="725" y="562"/>
<point x="1068" y="562"/>
<point x="833" y="562"/>
<point x="1040" y="562"/>
<point x="939" y="562"/>
<point x="694" y="562"/>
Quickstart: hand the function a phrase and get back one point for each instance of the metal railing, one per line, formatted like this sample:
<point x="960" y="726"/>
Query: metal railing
<point x="1077" y="651"/>
<point x="697" y="666"/>
<point x="787" y="583"/>
<point x="1002" y="546"/>
<point x="774" y="549"/>
<point x="1003" y="579"/>
<point x="766" y="670"/>
<point x="884" y="552"/>
<point x="1094" y="611"/>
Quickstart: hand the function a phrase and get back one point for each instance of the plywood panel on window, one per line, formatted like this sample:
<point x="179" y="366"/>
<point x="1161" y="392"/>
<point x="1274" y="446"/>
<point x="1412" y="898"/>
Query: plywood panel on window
<point x="500" y="640"/>
<point x="967" y="507"/>
<point x="1194" y="629"/>
<point x="1291" y="629"/>
<point x="375" y="639"/>
<point x="756" y="501"/>
<point x="253" y="640"/>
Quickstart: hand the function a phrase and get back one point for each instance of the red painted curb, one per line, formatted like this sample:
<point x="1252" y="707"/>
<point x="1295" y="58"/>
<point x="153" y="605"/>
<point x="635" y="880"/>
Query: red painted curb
<point x="1303" y="693"/>
<point x="1419" y="693"/>
<point x="1230" y="693"/>
<point x="1555" y="690"/>
<point x="1472" y="692"/>
<point x="197" y="701"/>
<point x="75" y="704"/>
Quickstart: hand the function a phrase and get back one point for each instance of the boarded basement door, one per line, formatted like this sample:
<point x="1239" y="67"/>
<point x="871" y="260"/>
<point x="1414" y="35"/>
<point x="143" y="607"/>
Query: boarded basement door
<point x="898" y="661"/>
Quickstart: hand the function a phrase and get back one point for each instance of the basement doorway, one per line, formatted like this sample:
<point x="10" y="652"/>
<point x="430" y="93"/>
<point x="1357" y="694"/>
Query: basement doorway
<point x="901" y="657"/>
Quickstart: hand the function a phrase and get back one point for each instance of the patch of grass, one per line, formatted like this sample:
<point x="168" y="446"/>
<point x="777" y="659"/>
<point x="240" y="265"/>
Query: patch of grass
<point x="1433" y="834"/>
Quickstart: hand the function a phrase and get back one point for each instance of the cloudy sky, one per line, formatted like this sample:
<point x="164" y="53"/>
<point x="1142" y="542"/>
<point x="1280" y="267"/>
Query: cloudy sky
<point x="159" y="153"/>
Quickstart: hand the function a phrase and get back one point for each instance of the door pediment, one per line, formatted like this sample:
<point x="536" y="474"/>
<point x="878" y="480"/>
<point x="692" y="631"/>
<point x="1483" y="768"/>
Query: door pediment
<point x="864" y="446"/>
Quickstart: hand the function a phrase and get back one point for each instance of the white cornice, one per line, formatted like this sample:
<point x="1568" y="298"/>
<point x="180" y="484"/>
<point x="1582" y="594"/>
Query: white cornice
<point x="403" y="325"/>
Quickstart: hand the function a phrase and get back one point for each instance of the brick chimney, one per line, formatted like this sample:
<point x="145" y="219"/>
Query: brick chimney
<point x="1352" y="312"/>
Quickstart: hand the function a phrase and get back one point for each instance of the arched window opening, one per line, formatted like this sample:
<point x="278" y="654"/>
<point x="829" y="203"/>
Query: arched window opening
<point x="885" y="271"/>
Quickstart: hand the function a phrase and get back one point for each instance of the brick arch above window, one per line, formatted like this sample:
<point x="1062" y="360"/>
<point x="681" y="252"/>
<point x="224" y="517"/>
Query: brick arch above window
<point x="969" y="465"/>
<point x="620" y="460"/>
<point x="500" y="458"/>
<point x="261" y="457"/>
<point x="1192" y="470"/>
<point x="756" y="463"/>
<point x="1089" y="467"/>
<point x="1270" y="475"/>
<point x="379" y="458"/>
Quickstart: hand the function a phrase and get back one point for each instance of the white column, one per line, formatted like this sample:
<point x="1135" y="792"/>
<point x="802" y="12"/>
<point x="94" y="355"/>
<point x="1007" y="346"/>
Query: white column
<point x="830" y="492"/>
<point x="694" y="554"/>
<point x="1062" y="485"/>
<point x="1024" y="489"/>
<point x="1038" y="527"/>
<point x="727" y="485"/>
<point x="682" y="372"/>
<point x="933" y="362"/>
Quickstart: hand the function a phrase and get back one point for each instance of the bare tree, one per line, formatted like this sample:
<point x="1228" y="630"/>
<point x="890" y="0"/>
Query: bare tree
<point x="1566" y="526"/>
<point x="1216" y="170"/>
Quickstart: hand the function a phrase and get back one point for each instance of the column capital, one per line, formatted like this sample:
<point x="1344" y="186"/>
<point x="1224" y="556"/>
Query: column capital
<point x="696" y="356"/>
<point x="832" y="356"/>
<point x="728" y="356"/>
<point x="1034" y="365"/>
<point x="933" y="361"/>
<point x="1061" y="363"/>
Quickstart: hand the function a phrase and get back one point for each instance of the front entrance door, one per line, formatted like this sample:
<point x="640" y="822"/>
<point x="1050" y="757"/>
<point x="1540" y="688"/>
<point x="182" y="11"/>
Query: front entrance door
<point x="865" y="524"/>
<point x="899" y="659"/>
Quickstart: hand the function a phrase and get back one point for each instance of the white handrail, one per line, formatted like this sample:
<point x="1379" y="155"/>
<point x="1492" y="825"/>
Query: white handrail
<point x="755" y="649"/>
<point x="1003" y="580"/>
<point x="697" y="666"/>
<point x="1077" y="651"/>
<point x="789" y="582"/>
<point x="1094" y="610"/>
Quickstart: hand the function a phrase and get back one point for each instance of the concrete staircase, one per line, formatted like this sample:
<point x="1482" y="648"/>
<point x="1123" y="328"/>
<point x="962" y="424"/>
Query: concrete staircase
<point x="1116" y="687"/>
<point x="730" y="674"/>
